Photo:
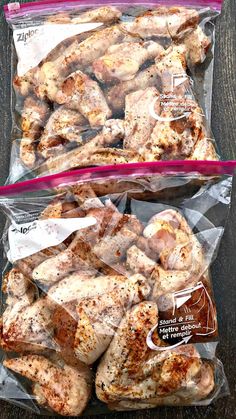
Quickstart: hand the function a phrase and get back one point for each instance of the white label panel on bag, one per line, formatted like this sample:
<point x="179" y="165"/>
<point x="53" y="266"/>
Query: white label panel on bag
<point x="34" y="43"/>
<point x="29" y="238"/>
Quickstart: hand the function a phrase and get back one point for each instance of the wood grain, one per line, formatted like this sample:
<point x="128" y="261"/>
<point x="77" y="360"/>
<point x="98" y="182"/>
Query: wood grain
<point x="224" y="269"/>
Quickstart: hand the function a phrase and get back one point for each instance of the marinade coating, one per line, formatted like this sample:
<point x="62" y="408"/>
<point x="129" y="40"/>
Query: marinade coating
<point x="64" y="388"/>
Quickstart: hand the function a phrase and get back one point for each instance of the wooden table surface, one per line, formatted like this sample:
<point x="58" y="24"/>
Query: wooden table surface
<point x="224" y="269"/>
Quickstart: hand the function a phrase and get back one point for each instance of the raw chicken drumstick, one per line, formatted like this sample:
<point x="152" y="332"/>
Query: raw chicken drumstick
<point x="116" y="94"/>
<point x="122" y="61"/>
<point x="83" y="94"/>
<point x="34" y="115"/>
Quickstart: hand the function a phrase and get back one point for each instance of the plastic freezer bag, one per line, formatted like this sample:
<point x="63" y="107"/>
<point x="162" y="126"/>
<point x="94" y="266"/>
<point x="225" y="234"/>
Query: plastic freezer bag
<point x="107" y="301"/>
<point x="111" y="83"/>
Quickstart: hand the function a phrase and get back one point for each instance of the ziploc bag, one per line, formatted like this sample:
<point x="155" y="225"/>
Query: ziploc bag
<point x="110" y="82"/>
<point x="107" y="301"/>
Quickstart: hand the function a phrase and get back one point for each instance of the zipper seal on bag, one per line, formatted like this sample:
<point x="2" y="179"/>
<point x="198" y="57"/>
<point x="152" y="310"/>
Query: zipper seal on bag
<point x="17" y="9"/>
<point x="119" y="171"/>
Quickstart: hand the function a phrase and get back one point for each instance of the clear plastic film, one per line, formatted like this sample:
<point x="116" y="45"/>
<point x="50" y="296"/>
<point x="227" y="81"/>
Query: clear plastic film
<point x="107" y="302"/>
<point x="110" y="83"/>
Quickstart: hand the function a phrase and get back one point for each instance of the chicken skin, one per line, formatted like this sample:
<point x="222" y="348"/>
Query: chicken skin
<point x="82" y="285"/>
<point x="84" y="94"/>
<point x="176" y="133"/>
<point x="65" y="389"/>
<point x="139" y="122"/>
<point x="112" y="230"/>
<point x="204" y="149"/>
<point x="64" y="126"/>
<point x="178" y="248"/>
<point x="26" y="322"/>
<point x="104" y="14"/>
<point x="131" y="372"/>
<point x="197" y="45"/>
<point x="116" y="94"/>
<point x="171" y="65"/>
<point x="83" y="157"/>
<point x="34" y="115"/>
<point x="78" y="55"/>
<point x="100" y="316"/>
<point x="173" y="22"/>
<point x="122" y="61"/>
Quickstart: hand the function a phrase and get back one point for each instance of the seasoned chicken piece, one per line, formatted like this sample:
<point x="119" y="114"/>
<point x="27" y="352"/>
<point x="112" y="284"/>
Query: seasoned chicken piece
<point x="86" y="251"/>
<point x="204" y="149"/>
<point x="116" y="94"/>
<point x="58" y="18"/>
<point x="62" y="207"/>
<point x="185" y="256"/>
<point x="20" y="294"/>
<point x="113" y="246"/>
<point x="138" y="120"/>
<point x="144" y="245"/>
<point x="204" y="383"/>
<point x="112" y="249"/>
<point x="78" y="255"/>
<point x="171" y="66"/>
<point x="198" y="389"/>
<point x="86" y="197"/>
<point x="131" y="371"/>
<point x="29" y="82"/>
<point x="64" y="388"/>
<point x="173" y="240"/>
<point x="171" y="216"/>
<point x="166" y="22"/>
<point x="122" y="61"/>
<point x="94" y="153"/>
<point x="176" y="132"/>
<point x="65" y="123"/>
<point x="83" y="94"/>
<point x="137" y="261"/>
<point x="64" y="126"/>
<point x="81" y="285"/>
<point x="197" y="45"/>
<point x="28" y="152"/>
<point x="104" y="14"/>
<point x="98" y="157"/>
<point x="100" y="316"/>
<point x="34" y="115"/>
<point x="53" y="210"/>
<point x="160" y="234"/>
<point x="27" y="264"/>
<point x="28" y="328"/>
<point x="65" y="319"/>
<point x="169" y="281"/>
<point x="54" y="268"/>
<point x="77" y="55"/>
<point x="16" y="285"/>
<point x="24" y="85"/>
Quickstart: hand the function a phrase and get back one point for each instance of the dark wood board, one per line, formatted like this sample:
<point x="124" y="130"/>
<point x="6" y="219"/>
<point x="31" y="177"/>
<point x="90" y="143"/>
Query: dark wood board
<point x="224" y="269"/>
